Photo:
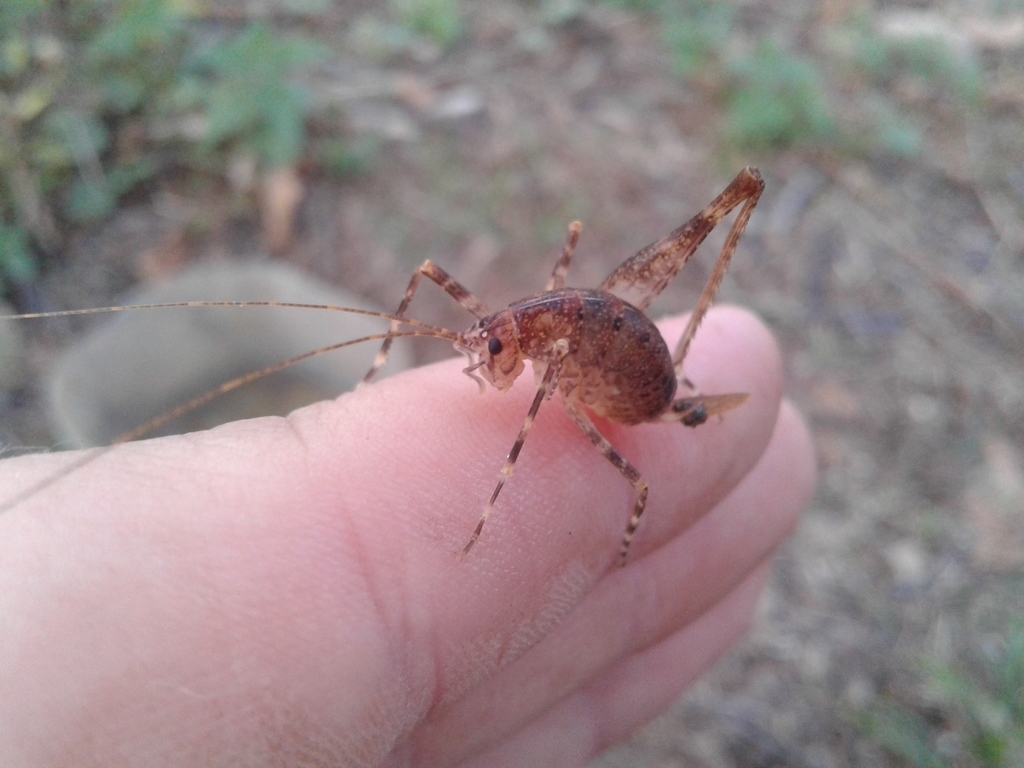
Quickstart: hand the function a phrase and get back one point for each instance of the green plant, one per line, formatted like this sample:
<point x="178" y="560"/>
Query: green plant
<point x="94" y="98"/>
<point x="242" y="86"/>
<point x="930" y="61"/>
<point x="406" y="25"/>
<point x="132" y="54"/>
<point x="68" y="74"/>
<point x="18" y="265"/>
<point x="440" y="21"/>
<point x="695" y="32"/>
<point x="776" y="96"/>
<point x="776" y="99"/>
<point x="983" y="711"/>
<point x="905" y="82"/>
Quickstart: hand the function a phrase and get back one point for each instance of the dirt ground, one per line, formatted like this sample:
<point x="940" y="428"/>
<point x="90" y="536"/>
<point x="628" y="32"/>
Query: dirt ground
<point x="895" y="287"/>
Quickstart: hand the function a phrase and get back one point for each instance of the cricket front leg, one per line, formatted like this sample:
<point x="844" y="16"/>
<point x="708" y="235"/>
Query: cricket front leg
<point x="451" y="286"/>
<point x="544" y="390"/>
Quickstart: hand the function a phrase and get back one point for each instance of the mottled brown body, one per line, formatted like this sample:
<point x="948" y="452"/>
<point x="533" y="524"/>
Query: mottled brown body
<point x="615" y="362"/>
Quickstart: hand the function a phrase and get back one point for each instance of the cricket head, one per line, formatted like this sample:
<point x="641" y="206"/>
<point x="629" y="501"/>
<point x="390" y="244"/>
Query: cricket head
<point x="493" y="351"/>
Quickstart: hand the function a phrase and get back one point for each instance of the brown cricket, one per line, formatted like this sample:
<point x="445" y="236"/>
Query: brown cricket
<point x="596" y="347"/>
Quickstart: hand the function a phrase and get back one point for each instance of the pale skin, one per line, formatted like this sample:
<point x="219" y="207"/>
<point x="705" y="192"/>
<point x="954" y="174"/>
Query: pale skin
<point x="290" y="591"/>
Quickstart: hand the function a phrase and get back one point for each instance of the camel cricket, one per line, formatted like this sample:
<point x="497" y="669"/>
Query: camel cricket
<point x="595" y="346"/>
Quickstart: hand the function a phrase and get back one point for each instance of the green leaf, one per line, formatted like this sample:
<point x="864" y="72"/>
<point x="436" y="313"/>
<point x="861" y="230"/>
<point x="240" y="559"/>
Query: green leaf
<point x="82" y="133"/>
<point x="124" y="176"/>
<point x="778" y="100"/>
<point x="251" y="101"/>
<point x="230" y="112"/>
<point x="90" y="199"/>
<point x="695" y="31"/>
<point x="135" y="28"/>
<point x="17" y="262"/>
<point x="285" y="131"/>
<point x="15" y="56"/>
<point x="905" y="734"/>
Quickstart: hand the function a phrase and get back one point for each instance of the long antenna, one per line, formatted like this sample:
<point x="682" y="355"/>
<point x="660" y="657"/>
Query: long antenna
<point x="435" y="331"/>
<point x="153" y="424"/>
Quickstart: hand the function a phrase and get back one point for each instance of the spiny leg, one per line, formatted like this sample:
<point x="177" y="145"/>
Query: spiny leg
<point x="642" y="277"/>
<point x="635" y="479"/>
<point x="451" y="286"/>
<point x="544" y="390"/>
<point x="557" y="281"/>
<point x="707" y="296"/>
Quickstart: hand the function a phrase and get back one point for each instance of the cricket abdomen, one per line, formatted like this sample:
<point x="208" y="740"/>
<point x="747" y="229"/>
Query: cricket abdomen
<point x="618" y="364"/>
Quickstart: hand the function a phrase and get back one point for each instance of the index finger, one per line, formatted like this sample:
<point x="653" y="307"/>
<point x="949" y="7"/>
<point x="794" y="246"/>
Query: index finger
<point x="306" y="572"/>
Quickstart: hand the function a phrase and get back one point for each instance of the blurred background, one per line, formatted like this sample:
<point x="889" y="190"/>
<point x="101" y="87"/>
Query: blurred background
<point x="352" y="140"/>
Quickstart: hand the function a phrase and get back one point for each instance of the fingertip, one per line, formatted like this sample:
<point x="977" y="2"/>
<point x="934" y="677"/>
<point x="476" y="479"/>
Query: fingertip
<point x="690" y="470"/>
<point x="732" y="351"/>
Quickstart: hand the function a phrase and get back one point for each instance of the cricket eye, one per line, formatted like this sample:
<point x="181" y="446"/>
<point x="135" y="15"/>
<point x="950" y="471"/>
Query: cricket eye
<point x="494" y="346"/>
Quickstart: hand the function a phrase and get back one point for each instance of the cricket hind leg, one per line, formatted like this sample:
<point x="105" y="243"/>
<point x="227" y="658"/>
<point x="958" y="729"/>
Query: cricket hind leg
<point x="544" y="390"/>
<point x="628" y="471"/>
<point x="450" y="285"/>
<point x="714" y="282"/>
<point x="557" y="281"/>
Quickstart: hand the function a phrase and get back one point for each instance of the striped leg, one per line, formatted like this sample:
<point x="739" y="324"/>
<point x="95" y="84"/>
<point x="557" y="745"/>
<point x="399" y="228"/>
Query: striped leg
<point x="635" y="479"/>
<point x="557" y="281"/>
<point x="544" y="390"/>
<point x="721" y="267"/>
<point x="451" y="286"/>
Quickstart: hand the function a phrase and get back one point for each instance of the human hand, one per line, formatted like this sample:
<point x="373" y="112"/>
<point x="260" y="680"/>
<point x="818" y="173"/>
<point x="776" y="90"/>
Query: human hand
<point x="290" y="591"/>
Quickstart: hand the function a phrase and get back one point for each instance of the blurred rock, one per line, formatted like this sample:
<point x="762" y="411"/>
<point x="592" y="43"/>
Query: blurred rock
<point x="140" y="364"/>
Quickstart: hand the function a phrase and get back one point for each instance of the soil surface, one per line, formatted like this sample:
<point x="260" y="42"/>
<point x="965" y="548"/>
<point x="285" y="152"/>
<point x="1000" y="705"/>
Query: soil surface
<point x="895" y="287"/>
